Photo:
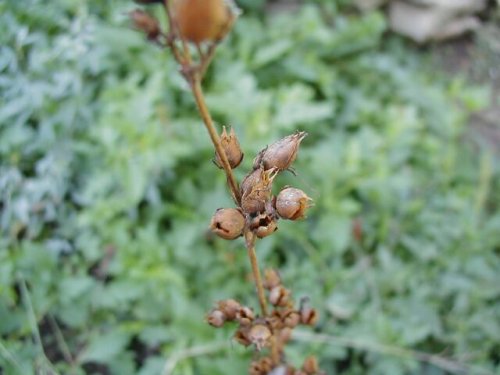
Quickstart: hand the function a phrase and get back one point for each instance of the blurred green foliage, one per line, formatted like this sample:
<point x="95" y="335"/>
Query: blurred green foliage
<point x="107" y="186"/>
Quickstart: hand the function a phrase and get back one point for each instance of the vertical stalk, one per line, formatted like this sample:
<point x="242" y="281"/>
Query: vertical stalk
<point x="250" y="243"/>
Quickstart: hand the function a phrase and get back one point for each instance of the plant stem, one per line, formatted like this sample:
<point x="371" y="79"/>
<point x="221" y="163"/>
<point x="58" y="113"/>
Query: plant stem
<point x="214" y="136"/>
<point x="250" y="243"/>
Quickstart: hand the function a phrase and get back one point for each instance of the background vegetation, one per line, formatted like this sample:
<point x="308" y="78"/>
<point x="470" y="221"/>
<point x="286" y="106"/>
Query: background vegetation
<point x="107" y="188"/>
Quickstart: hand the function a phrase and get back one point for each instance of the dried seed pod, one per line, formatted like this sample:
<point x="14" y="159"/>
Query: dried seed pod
<point x="291" y="319"/>
<point x="271" y="278"/>
<point x="241" y="335"/>
<point x="228" y="223"/>
<point x="216" y="318"/>
<point x="310" y="365"/>
<point x="281" y="154"/>
<point x="263" y="366"/>
<point x="259" y="335"/>
<point x="230" y="308"/>
<point x="308" y="316"/>
<point x="231" y="147"/>
<point x="245" y="316"/>
<point x="279" y="296"/>
<point x="292" y="203"/>
<point x="285" y="335"/>
<point x="266" y="230"/>
<point x="146" y="23"/>
<point x="256" y="190"/>
<point x="202" y="20"/>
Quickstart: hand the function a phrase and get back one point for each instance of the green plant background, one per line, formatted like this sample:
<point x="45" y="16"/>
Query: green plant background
<point x="107" y="188"/>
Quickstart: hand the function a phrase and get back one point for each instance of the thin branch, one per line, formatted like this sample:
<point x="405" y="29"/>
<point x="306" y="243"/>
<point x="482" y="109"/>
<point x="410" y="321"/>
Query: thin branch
<point x="61" y="342"/>
<point x="449" y="365"/>
<point x="250" y="244"/>
<point x="214" y="136"/>
<point x="195" y="351"/>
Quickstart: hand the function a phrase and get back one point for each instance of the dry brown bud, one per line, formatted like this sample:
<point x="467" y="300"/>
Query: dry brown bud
<point x="292" y="203"/>
<point x="216" y="318"/>
<point x="146" y="23"/>
<point x="241" y="335"/>
<point x="279" y="296"/>
<point x="202" y="20"/>
<point x="228" y="223"/>
<point x="256" y="190"/>
<point x="310" y="365"/>
<point x="291" y="319"/>
<point x="259" y="335"/>
<point x="308" y="316"/>
<point x="281" y="154"/>
<point x="271" y="278"/>
<point x="245" y="316"/>
<point x="231" y="147"/>
<point x="229" y="307"/>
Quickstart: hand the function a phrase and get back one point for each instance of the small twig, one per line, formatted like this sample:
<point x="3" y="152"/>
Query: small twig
<point x="195" y="351"/>
<point x="435" y="360"/>
<point x="250" y="244"/>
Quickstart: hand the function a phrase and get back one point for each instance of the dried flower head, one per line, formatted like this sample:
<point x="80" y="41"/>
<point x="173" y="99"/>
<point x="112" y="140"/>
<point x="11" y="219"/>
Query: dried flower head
<point x="241" y="335"/>
<point x="266" y="228"/>
<point x="262" y="366"/>
<point x="245" y="316"/>
<point x="292" y="203"/>
<point x="256" y="190"/>
<point x="279" y="296"/>
<point x="310" y="366"/>
<point x="271" y="278"/>
<point x="259" y="335"/>
<point x="202" y="20"/>
<point x="281" y="154"/>
<point x="231" y="147"/>
<point x="146" y="23"/>
<point x="216" y="318"/>
<point x="229" y="307"/>
<point x="228" y="223"/>
<point x="308" y="316"/>
<point x="291" y="319"/>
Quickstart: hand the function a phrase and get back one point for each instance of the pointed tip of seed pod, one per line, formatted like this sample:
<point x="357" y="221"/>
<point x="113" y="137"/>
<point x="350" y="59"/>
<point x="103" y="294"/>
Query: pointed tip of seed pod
<point x="280" y="154"/>
<point x="232" y="149"/>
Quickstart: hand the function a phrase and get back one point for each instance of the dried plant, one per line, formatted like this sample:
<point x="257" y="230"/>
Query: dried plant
<point x="195" y="29"/>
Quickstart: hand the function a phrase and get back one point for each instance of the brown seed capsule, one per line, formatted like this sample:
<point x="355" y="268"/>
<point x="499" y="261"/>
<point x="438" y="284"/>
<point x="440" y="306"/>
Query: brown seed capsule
<point x="281" y="154"/>
<point x="256" y="190"/>
<point x="216" y="318"/>
<point x="245" y="316"/>
<point x="308" y="316"/>
<point x="202" y="20"/>
<point x="263" y="366"/>
<point x="310" y="365"/>
<point x="266" y="230"/>
<point x="291" y="319"/>
<point x="241" y="335"/>
<point x="279" y="296"/>
<point x="292" y="203"/>
<point x="285" y="335"/>
<point x="229" y="307"/>
<point x="228" y="223"/>
<point x="271" y="278"/>
<point x="231" y="147"/>
<point x="259" y="335"/>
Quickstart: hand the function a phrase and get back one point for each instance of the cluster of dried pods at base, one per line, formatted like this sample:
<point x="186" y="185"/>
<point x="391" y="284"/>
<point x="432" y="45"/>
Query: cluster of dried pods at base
<point x="206" y="22"/>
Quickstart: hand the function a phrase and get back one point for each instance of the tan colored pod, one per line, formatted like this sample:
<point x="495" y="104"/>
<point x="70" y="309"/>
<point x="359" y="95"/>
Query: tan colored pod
<point x="256" y="190"/>
<point x="201" y="20"/>
<point x="292" y="203"/>
<point x="281" y="154"/>
<point x="228" y="223"/>
<point x="231" y="147"/>
<point x="259" y="335"/>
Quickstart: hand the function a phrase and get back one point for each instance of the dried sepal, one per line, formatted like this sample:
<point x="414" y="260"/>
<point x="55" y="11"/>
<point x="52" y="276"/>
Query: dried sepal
<point x="229" y="307"/>
<point x="202" y="20"/>
<point x="279" y="296"/>
<point x="281" y="154"/>
<point x="271" y="278"/>
<point x="292" y="203"/>
<point x="216" y="318"/>
<point x="228" y="223"/>
<point x="259" y="335"/>
<point x="146" y="23"/>
<point x="256" y="190"/>
<point x="231" y="147"/>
